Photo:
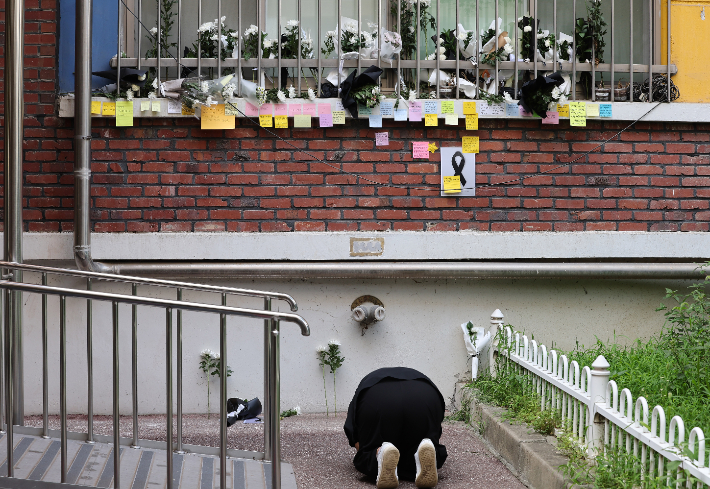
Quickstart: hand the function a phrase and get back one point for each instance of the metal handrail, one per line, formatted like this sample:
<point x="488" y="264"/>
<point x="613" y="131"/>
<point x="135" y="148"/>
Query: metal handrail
<point x="154" y="282"/>
<point x="272" y="319"/>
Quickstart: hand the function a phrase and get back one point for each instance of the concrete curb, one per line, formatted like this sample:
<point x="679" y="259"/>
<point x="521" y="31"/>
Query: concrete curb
<point x="529" y="455"/>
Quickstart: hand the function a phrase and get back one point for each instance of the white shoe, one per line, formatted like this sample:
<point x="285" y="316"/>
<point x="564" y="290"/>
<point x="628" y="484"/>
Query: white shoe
<point x="387" y="460"/>
<point x="425" y="458"/>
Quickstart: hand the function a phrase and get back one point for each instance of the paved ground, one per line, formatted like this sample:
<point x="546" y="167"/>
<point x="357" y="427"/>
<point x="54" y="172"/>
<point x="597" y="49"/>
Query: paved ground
<point x="317" y="448"/>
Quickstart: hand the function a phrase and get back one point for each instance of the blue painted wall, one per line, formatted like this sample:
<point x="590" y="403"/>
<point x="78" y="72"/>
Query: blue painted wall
<point x="105" y="35"/>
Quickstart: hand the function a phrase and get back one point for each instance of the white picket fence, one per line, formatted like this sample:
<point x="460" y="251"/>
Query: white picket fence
<point x="600" y="416"/>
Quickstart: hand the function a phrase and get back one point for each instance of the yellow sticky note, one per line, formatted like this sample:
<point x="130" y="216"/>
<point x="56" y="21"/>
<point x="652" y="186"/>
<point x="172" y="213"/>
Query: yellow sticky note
<point x="577" y="114"/>
<point x="563" y="110"/>
<point x="188" y="110"/>
<point x="213" y="117"/>
<point x="109" y="108"/>
<point x="301" y="120"/>
<point x="452" y="185"/>
<point x="451" y="119"/>
<point x="145" y="105"/>
<point x="470" y="144"/>
<point x="266" y="120"/>
<point x="469" y="108"/>
<point x="592" y="110"/>
<point x="281" y="122"/>
<point x="155" y="106"/>
<point x="124" y="113"/>
<point x="96" y="107"/>
<point x="431" y="120"/>
<point x="231" y="108"/>
<point x="472" y="122"/>
<point x="447" y="106"/>
<point x="338" y="117"/>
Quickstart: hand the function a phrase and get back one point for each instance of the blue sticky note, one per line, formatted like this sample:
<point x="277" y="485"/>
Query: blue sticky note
<point x="400" y="114"/>
<point x="431" y="107"/>
<point x="364" y="109"/>
<point x="386" y="107"/>
<point x="604" y="110"/>
<point x="375" y="120"/>
<point x="512" y="110"/>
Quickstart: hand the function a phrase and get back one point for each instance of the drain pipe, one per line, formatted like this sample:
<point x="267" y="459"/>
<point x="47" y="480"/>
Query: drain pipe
<point x="12" y="237"/>
<point x="82" y="141"/>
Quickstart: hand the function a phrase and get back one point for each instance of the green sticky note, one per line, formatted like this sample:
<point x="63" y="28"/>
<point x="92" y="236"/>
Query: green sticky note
<point x="145" y="105"/>
<point x="578" y="114"/>
<point x="302" y="121"/>
<point x="364" y="110"/>
<point x="447" y="106"/>
<point x="124" y="113"/>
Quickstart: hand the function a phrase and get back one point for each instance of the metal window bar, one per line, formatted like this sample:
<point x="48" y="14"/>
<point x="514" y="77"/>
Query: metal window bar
<point x="116" y="299"/>
<point x="89" y="366"/>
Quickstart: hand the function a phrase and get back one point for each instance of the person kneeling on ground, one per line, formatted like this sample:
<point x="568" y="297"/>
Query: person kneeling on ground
<point x="394" y="422"/>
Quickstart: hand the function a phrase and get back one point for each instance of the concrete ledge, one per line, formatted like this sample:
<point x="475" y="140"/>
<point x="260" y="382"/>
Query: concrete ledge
<point x="527" y="454"/>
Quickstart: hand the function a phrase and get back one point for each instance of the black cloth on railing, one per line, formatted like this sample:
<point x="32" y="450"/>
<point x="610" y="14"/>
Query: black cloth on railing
<point x="355" y="81"/>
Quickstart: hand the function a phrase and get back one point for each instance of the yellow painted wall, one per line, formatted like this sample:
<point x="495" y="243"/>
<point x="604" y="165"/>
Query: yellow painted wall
<point x="690" y="33"/>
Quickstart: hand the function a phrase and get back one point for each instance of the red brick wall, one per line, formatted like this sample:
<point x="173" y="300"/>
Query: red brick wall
<point x="167" y="175"/>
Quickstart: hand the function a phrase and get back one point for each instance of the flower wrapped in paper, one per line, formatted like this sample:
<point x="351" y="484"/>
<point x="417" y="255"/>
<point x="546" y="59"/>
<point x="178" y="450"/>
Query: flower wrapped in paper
<point x="363" y="89"/>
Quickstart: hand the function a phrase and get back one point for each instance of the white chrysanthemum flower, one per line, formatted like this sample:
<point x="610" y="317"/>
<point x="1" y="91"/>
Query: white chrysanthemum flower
<point x="442" y="49"/>
<point x="292" y="23"/>
<point x="334" y="342"/>
<point x="442" y="57"/>
<point x="432" y="56"/>
<point x="321" y="348"/>
<point x="281" y="96"/>
<point x="562" y="100"/>
<point x="154" y="31"/>
<point x="224" y="17"/>
<point x="298" y="410"/>
<point x="311" y="94"/>
<point x="547" y="43"/>
<point x="268" y="43"/>
<point x="129" y="95"/>
<point x="135" y="88"/>
<point x="251" y="30"/>
<point x="291" y="92"/>
<point x="540" y="35"/>
<point x="152" y="95"/>
<point x="412" y="95"/>
<point x="155" y="83"/>
<point x="204" y="87"/>
<point x="508" y="49"/>
<point x="440" y="40"/>
<point x="350" y="27"/>
<point x="508" y="99"/>
<point x="508" y="40"/>
<point x="411" y="28"/>
<point x="462" y="36"/>
<point x="330" y="34"/>
<point x="527" y="28"/>
<point x="207" y="26"/>
<point x="556" y="93"/>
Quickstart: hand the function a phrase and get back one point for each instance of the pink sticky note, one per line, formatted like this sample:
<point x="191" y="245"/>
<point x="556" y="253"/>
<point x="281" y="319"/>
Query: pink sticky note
<point x="324" y="109"/>
<point x="326" y="120"/>
<point x="420" y="149"/>
<point x="294" y="109"/>
<point x="251" y="110"/>
<point x="382" y="139"/>
<point x="415" y="111"/>
<point x="524" y="113"/>
<point x="266" y="109"/>
<point x="280" y="109"/>
<point x="553" y="117"/>
<point x="309" y="109"/>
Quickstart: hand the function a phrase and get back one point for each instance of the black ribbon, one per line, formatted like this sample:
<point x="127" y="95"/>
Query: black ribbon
<point x="459" y="168"/>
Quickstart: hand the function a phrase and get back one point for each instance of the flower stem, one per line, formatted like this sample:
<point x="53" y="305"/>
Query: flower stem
<point x="208" y="396"/>
<point x="335" y="395"/>
<point x="325" y="393"/>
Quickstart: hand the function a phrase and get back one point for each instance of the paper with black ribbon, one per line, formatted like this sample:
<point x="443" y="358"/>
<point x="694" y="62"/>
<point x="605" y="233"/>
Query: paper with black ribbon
<point x="456" y="163"/>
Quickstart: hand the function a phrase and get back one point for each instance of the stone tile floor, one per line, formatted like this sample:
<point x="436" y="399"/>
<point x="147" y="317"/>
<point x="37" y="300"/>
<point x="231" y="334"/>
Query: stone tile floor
<point x="318" y="450"/>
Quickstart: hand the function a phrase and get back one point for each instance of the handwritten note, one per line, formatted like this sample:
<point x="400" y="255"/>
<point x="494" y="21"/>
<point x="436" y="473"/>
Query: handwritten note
<point x="386" y="108"/>
<point x="109" y="108"/>
<point x="469" y="144"/>
<point x="431" y="107"/>
<point x="338" y="117"/>
<point x="281" y="122"/>
<point x="280" y="109"/>
<point x="294" y="109"/>
<point x="309" y="109"/>
<point x="214" y="117"/>
<point x="400" y="114"/>
<point x="155" y="106"/>
<point x="605" y="110"/>
<point x="563" y="110"/>
<point x="363" y="109"/>
<point x="469" y="108"/>
<point x="188" y="110"/>
<point x="420" y="149"/>
<point x="251" y="110"/>
<point x="266" y="109"/>
<point x="452" y="184"/>
<point x="375" y="120"/>
<point x="145" y="105"/>
<point x="577" y="114"/>
<point x="492" y="109"/>
<point x="339" y="105"/>
<point x="382" y="139"/>
<point x="302" y="121"/>
<point x="525" y="113"/>
<point x="326" y="120"/>
<point x="472" y="122"/>
<point x="552" y="117"/>
<point x="266" y="120"/>
<point x="174" y="106"/>
<point x="96" y="107"/>
<point x="324" y="109"/>
<point x="451" y="119"/>
<point x="415" y="111"/>
<point x="447" y="106"/>
<point x="592" y="110"/>
<point x="431" y="120"/>
<point x="124" y="114"/>
<point x="230" y="108"/>
<point x="512" y="109"/>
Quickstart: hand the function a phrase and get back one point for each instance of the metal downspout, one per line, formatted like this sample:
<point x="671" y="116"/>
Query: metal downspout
<point x="12" y="237"/>
<point x="82" y="141"/>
